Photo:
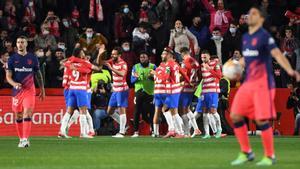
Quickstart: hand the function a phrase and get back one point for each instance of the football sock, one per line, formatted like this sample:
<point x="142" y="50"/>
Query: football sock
<point x="116" y="117"/>
<point x="156" y="129"/>
<point x="240" y="131"/>
<point x="206" y="123"/>
<point x="73" y="118"/>
<point x="26" y="127"/>
<point x="185" y="120"/>
<point x="83" y="124"/>
<point x="19" y="127"/>
<point x="192" y="119"/>
<point x="212" y="123"/>
<point x="90" y="122"/>
<point x="267" y="139"/>
<point x="169" y="120"/>
<point x="178" y="123"/>
<point x="64" y="123"/>
<point x="218" y="121"/>
<point x="123" y="120"/>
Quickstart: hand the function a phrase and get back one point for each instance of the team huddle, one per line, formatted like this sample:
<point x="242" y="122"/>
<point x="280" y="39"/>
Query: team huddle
<point x="174" y="87"/>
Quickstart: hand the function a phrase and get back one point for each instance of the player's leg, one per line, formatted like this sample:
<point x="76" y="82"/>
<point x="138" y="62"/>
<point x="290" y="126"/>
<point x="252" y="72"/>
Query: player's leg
<point x="148" y="110"/>
<point x="183" y="102"/>
<point x="90" y="125"/>
<point x="206" y="117"/>
<point x="215" y="115"/>
<point x="83" y="122"/>
<point x="158" y="110"/>
<point x="19" y="126"/>
<point x="194" y="118"/>
<point x="74" y="118"/>
<point x="112" y="106"/>
<point x="28" y="106"/>
<point x="70" y="104"/>
<point x="122" y="103"/>
<point x="168" y="116"/>
<point x="138" y="108"/>
<point x="241" y="109"/>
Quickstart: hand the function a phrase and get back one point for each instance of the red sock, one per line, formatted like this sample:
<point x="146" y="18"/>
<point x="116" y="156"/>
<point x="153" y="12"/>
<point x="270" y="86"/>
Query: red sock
<point x="241" y="133"/>
<point x="26" y="128"/>
<point x="267" y="139"/>
<point x="19" y="127"/>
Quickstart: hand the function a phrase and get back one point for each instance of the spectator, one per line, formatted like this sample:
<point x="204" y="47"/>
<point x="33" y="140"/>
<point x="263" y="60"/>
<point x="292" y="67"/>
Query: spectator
<point x="200" y="31"/>
<point x="91" y="41"/>
<point x="167" y="12"/>
<point x="219" y="17"/>
<point x="3" y="62"/>
<point x="288" y="45"/>
<point x="54" y="71"/>
<point x="30" y="11"/>
<point x="74" y="18"/>
<point x="3" y="21"/>
<point x="181" y="37"/>
<point x="140" y="37"/>
<point x="124" y="24"/>
<point x="69" y="36"/>
<point x="146" y="14"/>
<point x="99" y="102"/>
<point x="10" y="12"/>
<point x="53" y="23"/>
<point x="217" y="46"/>
<point x="45" y="40"/>
<point x="3" y="36"/>
<point x="129" y="57"/>
<point x="8" y="46"/>
<point x="159" y="39"/>
<point x="39" y="52"/>
<point x="243" y="26"/>
<point x="144" y="90"/>
<point x="294" y="102"/>
<point x="233" y="38"/>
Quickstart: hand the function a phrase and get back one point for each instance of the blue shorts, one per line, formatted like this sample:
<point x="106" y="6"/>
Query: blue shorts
<point x="77" y="98"/>
<point x="89" y="97"/>
<point x="210" y="100"/>
<point x="159" y="100"/>
<point x="119" y="99"/>
<point x="199" y="105"/>
<point x="66" y="96"/>
<point x="186" y="99"/>
<point x="172" y="100"/>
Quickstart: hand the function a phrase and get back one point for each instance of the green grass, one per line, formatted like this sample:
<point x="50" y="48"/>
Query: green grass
<point x="138" y="153"/>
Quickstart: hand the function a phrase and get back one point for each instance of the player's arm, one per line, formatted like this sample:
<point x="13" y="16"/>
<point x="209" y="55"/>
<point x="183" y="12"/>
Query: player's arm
<point x="184" y="75"/>
<point x="284" y="63"/>
<point x="134" y="76"/>
<point x="10" y="80"/>
<point x="216" y="71"/>
<point x="120" y="73"/>
<point x="40" y="81"/>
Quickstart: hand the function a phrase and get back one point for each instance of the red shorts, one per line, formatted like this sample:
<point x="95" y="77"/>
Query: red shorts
<point x="257" y="104"/>
<point x="20" y="102"/>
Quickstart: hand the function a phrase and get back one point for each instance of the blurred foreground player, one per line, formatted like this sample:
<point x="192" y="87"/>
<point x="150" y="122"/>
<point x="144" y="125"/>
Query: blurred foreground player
<point x="255" y="98"/>
<point x="21" y="69"/>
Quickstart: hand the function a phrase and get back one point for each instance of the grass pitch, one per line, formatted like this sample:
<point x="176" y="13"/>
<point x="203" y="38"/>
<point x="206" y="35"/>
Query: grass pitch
<point x="139" y="153"/>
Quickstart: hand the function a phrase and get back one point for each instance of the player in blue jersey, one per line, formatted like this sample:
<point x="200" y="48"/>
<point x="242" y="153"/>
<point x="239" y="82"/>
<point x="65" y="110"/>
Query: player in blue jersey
<point x="21" y="69"/>
<point x="255" y="98"/>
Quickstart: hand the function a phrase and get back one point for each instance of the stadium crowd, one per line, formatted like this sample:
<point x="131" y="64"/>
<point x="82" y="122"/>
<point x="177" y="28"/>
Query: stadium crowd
<point x="143" y="28"/>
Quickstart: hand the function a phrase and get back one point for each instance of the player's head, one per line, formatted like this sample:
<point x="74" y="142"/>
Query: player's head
<point x="184" y="52"/>
<point x="144" y="58"/>
<point x="256" y="16"/>
<point x="205" y="56"/>
<point x="116" y="53"/>
<point x="79" y="53"/>
<point x="21" y="43"/>
<point x="4" y="55"/>
<point x="167" y="54"/>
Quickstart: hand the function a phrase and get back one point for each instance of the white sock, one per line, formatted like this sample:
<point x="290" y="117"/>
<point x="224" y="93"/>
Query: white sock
<point x="169" y="120"/>
<point x="64" y="123"/>
<point x="116" y="117"/>
<point x="206" y="123"/>
<point x="90" y="122"/>
<point x="185" y="120"/>
<point x="212" y="123"/>
<point x="73" y="118"/>
<point x="123" y="120"/>
<point x="178" y="123"/>
<point x="83" y="124"/>
<point x="218" y="121"/>
<point x="196" y="115"/>
<point x="192" y="119"/>
<point x="156" y="129"/>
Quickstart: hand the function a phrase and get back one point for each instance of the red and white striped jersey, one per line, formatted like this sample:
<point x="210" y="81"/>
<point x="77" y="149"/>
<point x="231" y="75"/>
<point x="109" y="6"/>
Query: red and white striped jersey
<point x="119" y="82"/>
<point x="66" y="77"/>
<point x="211" y="77"/>
<point x="174" y="72"/>
<point x="191" y="68"/>
<point x="79" y="77"/>
<point x="160" y="79"/>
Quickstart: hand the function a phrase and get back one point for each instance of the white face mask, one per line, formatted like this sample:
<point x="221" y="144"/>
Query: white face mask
<point x="61" y="47"/>
<point x="126" y="49"/>
<point x="89" y="35"/>
<point x="178" y="29"/>
<point x="66" y="24"/>
<point x="40" y="54"/>
<point x="216" y="37"/>
<point x="46" y="32"/>
<point x="232" y="30"/>
<point x="30" y="4"/>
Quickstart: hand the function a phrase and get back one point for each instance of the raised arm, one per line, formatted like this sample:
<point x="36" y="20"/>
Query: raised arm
<point x="208" y="6"/>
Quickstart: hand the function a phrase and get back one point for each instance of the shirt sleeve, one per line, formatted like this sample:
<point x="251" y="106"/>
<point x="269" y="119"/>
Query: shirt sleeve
<point x="270" y="43"/>
<point x="10" y="63"/>
<point x="133" y="79"/>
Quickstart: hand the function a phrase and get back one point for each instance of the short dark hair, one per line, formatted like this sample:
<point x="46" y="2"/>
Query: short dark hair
<point x="59" y="50"/>
<point x="261" y="11"/>
<point x="76" y="52"/>
<point x="205" y="52"/>
<point x="3" y="52"/>
<point x="119" y="49"/>
<point x="184" y="50"/>
<point x="22" y="37"/>
<point x="169" y="50"/>
<point x="217" y="29"/>
<point x="143" y="52"/>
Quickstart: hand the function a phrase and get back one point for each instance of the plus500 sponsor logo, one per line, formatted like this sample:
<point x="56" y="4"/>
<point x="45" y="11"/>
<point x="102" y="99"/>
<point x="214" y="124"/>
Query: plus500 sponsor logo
<point x="38" y="118"/>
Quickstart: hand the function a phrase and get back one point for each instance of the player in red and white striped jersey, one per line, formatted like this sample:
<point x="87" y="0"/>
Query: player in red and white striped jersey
<point x="192" y="69"/>
<point x="119" y="97"/>
<point x="211" y="75"/>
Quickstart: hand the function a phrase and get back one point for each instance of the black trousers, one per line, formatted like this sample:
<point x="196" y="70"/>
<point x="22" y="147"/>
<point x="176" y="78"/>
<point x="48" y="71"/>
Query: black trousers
<point x="143" y="106"/>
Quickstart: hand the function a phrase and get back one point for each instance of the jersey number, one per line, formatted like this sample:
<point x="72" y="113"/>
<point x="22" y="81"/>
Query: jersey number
<point x="75" y="74"/>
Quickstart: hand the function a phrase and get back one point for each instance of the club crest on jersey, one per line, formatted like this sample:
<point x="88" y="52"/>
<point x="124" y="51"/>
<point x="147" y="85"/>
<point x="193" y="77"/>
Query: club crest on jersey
<point x="254" y="42"/>
<point x="29" y="61"/>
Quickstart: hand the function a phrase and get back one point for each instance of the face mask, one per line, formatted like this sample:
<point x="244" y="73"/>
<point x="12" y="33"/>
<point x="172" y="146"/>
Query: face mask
<point x="126" y="10"/>
<point x="46" y="32"/>
<point x="66" y="24"/>
<point x="232" y="30"/>
<point x="126" y="49"/>
<point x="61" y="47"/>
<point x="40" y="54"/>
<point x="216" y="37"/>
<point x="178" y="29"/>
<point x="89" y="35"/>
<point x="30" y="4"/>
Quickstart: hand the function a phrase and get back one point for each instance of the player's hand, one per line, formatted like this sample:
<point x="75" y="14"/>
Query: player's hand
<point x="135" y="74"/>
<point x="206" y="66"/>
<point x="108" y="65"/>
<point x="42" y="94"/>
<point x="297" y="76"/>
<point x="101" y="48"/>
<point x="17" y="86"/>
<point x="152" y="72"/>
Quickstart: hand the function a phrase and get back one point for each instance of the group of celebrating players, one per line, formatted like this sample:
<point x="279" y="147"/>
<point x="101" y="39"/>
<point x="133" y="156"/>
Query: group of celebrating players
<point x="174" y="89"/>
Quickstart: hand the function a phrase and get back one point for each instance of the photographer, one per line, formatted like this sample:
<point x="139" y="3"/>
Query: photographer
<point x="99" y="101"/>
<point x="294" y="102"/>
